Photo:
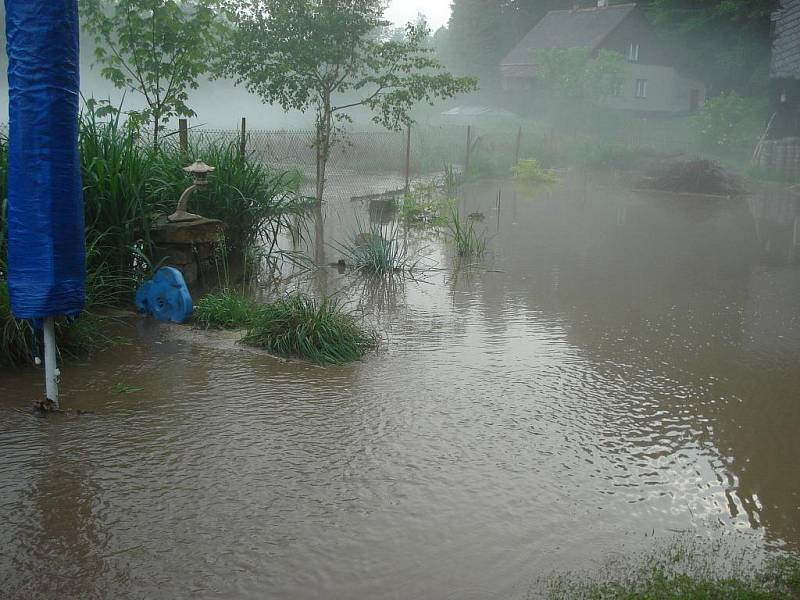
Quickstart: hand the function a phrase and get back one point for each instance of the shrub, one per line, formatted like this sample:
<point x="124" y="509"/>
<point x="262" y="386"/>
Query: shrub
<point x="729" y="121"/>
<point x="531" y="171"/>
<point x="318" y="330"/>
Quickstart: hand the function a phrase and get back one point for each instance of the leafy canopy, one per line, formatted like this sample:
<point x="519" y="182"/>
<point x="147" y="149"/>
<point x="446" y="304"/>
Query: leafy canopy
<point x="328" y="55"/>
<point x="157" y="48"/>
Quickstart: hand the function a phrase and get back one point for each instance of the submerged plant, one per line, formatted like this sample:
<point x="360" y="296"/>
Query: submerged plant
<point x="301" y="326"/>
<point x="467" y="241"/>
<point x="377" y="249"/>
<point x="530" y="170"/>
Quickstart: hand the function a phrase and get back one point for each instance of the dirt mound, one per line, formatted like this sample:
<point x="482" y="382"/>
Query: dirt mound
<point x="697" y="176"/>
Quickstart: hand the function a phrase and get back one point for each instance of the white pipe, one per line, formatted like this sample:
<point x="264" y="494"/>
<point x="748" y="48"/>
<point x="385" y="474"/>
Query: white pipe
<point x="50" y="360"/>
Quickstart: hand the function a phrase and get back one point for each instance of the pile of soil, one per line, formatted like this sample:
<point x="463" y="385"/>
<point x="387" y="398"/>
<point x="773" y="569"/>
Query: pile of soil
<point x="697" y="176"/>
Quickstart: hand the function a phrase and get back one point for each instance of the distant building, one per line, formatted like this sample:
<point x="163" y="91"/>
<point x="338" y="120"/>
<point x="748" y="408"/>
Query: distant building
<point x="785" y="71"/>
<point x="651" y="83"/>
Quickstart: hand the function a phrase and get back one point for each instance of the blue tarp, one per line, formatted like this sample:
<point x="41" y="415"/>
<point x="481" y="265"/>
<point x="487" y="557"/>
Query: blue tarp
<point x="46" y="251"/>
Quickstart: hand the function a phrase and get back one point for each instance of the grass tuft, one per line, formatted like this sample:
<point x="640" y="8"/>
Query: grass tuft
<point x="319" y="330"/>
<point x="682" y="571"/>
<point x="377" y="250"/>
<point x="224" y="309"/>
<point x="467" y="241"/>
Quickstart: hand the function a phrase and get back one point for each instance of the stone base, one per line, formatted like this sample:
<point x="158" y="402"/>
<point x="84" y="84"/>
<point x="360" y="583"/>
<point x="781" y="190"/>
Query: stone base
<point x="187" y="246"/>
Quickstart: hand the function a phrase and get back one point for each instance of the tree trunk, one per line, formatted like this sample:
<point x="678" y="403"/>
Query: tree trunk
<point x="156" y="129"/>
<point x="323" y="143"/>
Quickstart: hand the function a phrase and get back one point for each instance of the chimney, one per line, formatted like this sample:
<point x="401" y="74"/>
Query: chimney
<point x="602" y="3"/>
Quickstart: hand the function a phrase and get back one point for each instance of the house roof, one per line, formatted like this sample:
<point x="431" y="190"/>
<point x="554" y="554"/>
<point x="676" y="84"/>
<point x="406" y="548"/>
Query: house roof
<point x="786" y="47"/>
<point x="581" y="28"/>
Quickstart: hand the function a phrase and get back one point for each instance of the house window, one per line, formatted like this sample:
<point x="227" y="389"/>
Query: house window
<point x="641" y="88"/>
<point x="633" y="53"/>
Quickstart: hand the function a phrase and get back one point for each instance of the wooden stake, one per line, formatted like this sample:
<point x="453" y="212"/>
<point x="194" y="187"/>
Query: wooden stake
<point x="243" y="140"/>
<point x="183" y="135"/>
<point x="408" y="158"/>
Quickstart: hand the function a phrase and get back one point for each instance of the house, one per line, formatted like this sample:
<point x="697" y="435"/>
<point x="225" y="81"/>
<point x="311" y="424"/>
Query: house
<point x="651" y="83"/>
<point x="785" y="72"/>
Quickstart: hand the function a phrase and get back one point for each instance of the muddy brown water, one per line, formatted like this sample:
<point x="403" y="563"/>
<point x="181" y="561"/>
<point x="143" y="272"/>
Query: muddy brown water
<point x="619" y="366"/>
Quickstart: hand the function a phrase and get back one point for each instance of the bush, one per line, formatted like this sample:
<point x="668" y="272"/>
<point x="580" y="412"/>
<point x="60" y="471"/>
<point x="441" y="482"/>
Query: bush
<point x="531" y="171"/>
<point x="729" y="121"/>
<point x="318" y="330"/>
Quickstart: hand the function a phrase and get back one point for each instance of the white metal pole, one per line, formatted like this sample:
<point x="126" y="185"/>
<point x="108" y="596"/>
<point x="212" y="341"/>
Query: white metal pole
<point x="50" y="360"/>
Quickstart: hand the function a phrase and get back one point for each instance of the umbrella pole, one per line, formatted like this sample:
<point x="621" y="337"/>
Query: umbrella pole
<point x="50" y="360"/>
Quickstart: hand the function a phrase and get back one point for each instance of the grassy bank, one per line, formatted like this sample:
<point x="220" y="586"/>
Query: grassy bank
<point x="681" y="571"/>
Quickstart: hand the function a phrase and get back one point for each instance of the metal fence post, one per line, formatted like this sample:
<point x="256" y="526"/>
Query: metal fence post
<point x="469" y="148"/>
<point x="243" y="140"/>
<point x="183" y="135"/>
<point x="408" y="158"/>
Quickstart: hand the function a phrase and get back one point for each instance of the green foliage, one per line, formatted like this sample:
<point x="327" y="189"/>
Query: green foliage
<point x="127" y="184"/>
<point x="318" y="330"/>
<point x="725" y="43"/>
<point x="682" y="572"/>
<point x="377" y="249"/>
<point x="323" y="56"/>
<point x="531" y="171"/>
<point x="158" y="49"/>
<point x="463" y="235"/>
<point x="223" y="309"/>
<point x="729" y="121"/>
<point x="571" y="73"/>
<point x="423" y="205"/>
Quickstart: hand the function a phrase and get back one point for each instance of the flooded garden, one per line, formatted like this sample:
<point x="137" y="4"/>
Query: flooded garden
<point x="617" y="368"/>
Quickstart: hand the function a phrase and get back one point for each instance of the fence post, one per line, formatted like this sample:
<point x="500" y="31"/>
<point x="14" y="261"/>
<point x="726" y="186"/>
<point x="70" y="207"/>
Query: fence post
<point x="469" y="148"/>
<point x="408" y="158"/>
<point x="183" y="135"/>
<point x="243" y="140"/>
<point x="519" y="143"/>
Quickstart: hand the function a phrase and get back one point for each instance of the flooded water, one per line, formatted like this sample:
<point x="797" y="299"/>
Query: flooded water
<point x="619" y="366"/>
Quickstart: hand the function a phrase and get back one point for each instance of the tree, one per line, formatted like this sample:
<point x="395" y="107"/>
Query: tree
<point x="157" y="48"/>
<point x="325" y="56"/>
<point x="726" y="43"/>
<point x="573" y="83"/>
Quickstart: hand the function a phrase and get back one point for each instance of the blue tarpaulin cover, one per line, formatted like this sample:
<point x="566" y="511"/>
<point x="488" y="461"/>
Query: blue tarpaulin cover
<point x="46" y="251"/>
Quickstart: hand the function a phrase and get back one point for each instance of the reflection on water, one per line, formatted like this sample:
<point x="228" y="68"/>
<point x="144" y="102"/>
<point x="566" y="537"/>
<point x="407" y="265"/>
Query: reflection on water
<point x="618" y="365"/>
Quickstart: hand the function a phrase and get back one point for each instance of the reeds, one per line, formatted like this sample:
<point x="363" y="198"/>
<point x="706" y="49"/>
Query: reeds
<point x="463" y="235"/>
<point x="377" y="249"/>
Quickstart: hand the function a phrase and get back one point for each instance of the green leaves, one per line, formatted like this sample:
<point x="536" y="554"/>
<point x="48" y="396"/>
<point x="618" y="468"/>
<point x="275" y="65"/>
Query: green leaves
<point x="157" y="48"/>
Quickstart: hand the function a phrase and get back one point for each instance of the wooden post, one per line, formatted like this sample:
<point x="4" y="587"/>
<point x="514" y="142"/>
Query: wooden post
<point x="519" y="143"/>
<point x="469" y="149"/>
<point x="243" y="140"/>
<point x="408" y="158"/>
<point x="183" y="135"/>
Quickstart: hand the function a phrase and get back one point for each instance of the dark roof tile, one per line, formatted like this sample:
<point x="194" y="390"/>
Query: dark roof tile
<point x="786" y="47"/>
<point x="583" y="28"/>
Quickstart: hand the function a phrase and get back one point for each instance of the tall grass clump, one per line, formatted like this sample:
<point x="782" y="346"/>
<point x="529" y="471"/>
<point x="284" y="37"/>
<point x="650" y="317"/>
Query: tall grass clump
<point x="318" y="330"/>
<point x="258" y="205"/>
<point x="466" y="240"/>
<point x="376" y="249"/>
<point x="224" y="309"/>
